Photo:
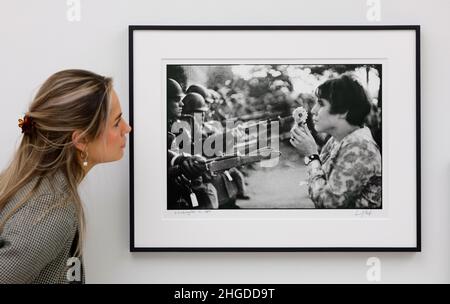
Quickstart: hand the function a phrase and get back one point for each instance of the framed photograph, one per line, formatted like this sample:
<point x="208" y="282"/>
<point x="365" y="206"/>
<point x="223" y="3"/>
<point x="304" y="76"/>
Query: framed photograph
<point x="274" y="138"/>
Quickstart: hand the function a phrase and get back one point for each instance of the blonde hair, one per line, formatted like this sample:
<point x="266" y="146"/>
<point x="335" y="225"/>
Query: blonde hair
<point x="68" y="101"/>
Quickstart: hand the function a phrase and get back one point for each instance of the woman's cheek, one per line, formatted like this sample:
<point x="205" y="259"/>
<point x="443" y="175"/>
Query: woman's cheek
<point x="112" y="137"/>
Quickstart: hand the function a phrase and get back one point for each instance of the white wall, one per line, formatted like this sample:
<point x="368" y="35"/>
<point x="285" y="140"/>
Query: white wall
<point x="36" y="39"/>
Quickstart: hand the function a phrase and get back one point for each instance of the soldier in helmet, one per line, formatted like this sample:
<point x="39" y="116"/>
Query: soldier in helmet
<point x="186" y="188"/>
<point x="212" y="99"/>
<point x="174" y="111"/>
<point x="174" y="100"/>
<point x="204" y="92"/>
<point x="195" y="105"/>
<point x="195" y="111"/>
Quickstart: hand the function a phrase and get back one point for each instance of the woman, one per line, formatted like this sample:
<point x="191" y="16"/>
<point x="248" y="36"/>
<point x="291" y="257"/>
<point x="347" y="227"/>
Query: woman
<point x="74" y="122"/>
<point x="347" y="174"/>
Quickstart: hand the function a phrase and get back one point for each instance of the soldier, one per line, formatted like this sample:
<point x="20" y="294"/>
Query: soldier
<point x="199" y="89"/>
<point x="186" y="188"/>
<point x="195" y="103"/>
<point x="174" y="101"/>
<point x="195" y="112"/>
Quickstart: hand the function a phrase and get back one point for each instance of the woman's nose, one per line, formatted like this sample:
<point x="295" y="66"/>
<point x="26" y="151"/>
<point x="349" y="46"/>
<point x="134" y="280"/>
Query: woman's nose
<point x="128" y="129"/>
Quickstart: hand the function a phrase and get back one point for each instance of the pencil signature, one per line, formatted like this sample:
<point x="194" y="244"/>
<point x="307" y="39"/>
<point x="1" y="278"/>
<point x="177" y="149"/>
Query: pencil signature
<point x="191" y="212"/>
<point x="362" y="213"/>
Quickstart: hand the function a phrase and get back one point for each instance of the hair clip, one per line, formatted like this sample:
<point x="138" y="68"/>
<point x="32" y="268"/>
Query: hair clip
<point x="26" y="124"/>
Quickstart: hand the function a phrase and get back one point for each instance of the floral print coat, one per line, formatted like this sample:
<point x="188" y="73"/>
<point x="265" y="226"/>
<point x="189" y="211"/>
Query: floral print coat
<point x="350" y="174"/>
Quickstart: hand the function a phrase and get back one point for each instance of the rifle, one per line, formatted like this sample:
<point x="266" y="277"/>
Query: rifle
<point x="235" y="160"/>
<point x="284" y="123"/>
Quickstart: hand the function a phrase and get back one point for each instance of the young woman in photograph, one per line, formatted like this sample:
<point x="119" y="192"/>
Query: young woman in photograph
<point x="74" y="123"/>
<point x="347" y="173"/>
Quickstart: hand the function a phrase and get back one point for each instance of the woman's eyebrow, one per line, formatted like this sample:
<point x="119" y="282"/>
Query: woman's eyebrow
<point x="118" y="116"/>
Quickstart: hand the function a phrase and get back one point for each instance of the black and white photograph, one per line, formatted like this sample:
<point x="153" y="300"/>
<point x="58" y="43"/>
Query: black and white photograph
<point x="269" y="136"/>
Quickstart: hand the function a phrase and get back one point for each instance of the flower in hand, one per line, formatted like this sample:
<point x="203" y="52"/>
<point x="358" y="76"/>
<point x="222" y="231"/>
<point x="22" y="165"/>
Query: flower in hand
<point x="303" y="141"/>
<point x="300" y="115"/>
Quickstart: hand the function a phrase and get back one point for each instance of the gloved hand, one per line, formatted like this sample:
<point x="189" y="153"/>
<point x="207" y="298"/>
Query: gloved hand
<point x="193" y="166"/>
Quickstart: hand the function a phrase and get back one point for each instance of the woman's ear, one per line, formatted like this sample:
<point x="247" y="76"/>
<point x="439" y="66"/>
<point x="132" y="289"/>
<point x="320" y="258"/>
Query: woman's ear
<point x="79" y="141"/>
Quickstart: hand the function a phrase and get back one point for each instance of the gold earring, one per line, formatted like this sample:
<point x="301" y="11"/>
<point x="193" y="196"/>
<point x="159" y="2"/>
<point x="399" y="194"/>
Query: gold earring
<point x="84" y="156"/>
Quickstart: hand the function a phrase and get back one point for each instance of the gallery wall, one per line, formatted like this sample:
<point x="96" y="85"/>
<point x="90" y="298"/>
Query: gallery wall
<point x="38" y="38"/>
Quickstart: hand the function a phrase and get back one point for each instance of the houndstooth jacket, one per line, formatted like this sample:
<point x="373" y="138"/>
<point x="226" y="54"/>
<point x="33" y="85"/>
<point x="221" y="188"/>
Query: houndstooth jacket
<point x="36" y="242"/>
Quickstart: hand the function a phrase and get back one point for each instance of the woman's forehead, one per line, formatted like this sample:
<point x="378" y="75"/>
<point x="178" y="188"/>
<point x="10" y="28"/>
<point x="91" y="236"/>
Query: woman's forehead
<point x="115" y="104"/>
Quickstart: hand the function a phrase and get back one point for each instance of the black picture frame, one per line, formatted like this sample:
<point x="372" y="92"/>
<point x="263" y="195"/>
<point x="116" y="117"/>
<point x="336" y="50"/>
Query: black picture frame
<point x="134" y="247"/>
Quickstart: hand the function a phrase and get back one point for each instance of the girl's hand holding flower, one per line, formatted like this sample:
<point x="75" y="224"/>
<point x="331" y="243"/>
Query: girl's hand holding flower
<point x="303" y="141"/>
<point x="301" y="137"/>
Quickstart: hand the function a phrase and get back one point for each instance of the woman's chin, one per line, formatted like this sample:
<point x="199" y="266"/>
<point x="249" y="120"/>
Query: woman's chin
<point x="117" y="157"/>
<point x="120" y="156"/>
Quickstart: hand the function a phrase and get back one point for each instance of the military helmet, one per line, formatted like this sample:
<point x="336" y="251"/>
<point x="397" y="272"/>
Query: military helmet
<point x="174" y="89"/>
<point x="198" y="88"/>
<point x="194" y="102"/>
